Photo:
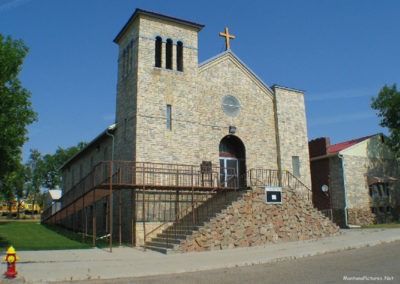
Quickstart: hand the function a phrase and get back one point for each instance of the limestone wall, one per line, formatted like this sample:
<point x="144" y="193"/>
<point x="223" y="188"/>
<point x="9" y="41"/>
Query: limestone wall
<point x="252" y="222"/>
<point x="360" y="204"/>
<point x="126" y="104"/>
<point x="292" y="131"/>
<point x="159" y="87"/>
<point x="82" y="165"/>
<point x="254" y="123"/>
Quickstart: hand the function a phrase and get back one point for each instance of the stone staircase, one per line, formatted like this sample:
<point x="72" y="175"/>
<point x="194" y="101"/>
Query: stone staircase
<point x="170" y="238"/>
<point x="250" y="221"/>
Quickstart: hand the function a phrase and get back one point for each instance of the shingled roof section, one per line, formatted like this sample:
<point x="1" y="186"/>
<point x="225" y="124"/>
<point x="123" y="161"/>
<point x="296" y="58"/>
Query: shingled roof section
<point x="333" y="149"/>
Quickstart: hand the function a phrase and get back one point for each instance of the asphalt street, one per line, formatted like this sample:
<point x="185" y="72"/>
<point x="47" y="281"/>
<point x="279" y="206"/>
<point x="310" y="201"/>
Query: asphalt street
<point x="130" y="263"/>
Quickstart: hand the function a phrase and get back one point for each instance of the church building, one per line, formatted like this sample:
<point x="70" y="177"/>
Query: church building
<point x="184" y="131"/>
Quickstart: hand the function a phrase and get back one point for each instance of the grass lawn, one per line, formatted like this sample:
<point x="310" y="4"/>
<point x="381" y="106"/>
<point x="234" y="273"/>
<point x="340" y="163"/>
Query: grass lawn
<point x="34" y="236"/>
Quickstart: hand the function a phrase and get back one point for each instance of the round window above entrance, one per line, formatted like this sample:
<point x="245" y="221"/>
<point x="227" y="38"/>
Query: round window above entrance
<point x="231" y="105"/>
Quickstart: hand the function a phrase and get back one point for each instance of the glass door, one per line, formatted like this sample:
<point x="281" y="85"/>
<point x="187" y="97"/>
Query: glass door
<point x="229" y="168"/>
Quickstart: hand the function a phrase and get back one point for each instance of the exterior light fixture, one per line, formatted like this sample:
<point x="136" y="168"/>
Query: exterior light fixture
<point x="325" y="189"/>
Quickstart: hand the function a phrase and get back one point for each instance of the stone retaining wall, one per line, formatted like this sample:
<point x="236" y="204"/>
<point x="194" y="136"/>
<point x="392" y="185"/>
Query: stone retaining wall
<point x="252" y="222"/>
<point x="362" y="217"/>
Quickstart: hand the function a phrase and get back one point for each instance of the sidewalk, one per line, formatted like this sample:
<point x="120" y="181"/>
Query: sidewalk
<point x="48" y="266"/>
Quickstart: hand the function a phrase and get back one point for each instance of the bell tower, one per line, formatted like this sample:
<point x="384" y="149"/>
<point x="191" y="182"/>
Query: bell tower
<point x="157" y="73"/>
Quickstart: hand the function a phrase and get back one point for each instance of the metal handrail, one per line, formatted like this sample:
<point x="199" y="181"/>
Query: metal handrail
<point x="182" y="214"/>
<point x="141" y="174"/>
<point x="270" y="177"/>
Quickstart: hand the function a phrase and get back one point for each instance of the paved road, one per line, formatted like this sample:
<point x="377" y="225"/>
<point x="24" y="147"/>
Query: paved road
<point x="124" y="262"/>
<point x="378" y="264"/>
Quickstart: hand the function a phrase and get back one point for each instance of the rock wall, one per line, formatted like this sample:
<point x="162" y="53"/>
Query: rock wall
<point x="362" y="217"/>
<point x="252" y="222"/>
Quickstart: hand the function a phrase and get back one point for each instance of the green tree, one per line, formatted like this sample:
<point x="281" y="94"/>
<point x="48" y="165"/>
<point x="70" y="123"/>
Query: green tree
<point x="49" y="167"/>
<point x="43" y="172"/>
<point x="387" y="103"/>
<point x="16" y="111"/>
<point x="34" y="173"/>
<point x="13" y="187"/>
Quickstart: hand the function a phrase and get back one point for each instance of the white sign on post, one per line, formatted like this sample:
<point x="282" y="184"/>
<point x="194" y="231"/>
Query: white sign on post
<point x="273" y="195"/>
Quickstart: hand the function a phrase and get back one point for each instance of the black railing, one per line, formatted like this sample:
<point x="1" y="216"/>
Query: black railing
<point x="268" y="177"/>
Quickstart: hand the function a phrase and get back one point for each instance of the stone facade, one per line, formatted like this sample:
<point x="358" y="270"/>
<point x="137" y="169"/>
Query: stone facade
<point x="291" y="127"/>
<point x="271" y="122"/>
<point x="175" y="114"/>
<point x="81" y="165"/>
<point x="252" y="222"/>
<point x="353" y="172"/>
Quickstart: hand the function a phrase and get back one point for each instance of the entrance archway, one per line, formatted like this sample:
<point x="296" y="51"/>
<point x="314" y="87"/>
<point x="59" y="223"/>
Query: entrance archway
<point x="232" y="162"/>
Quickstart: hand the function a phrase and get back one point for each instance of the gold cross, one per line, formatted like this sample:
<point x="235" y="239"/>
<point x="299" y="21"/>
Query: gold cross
<point x="227" y="37"/>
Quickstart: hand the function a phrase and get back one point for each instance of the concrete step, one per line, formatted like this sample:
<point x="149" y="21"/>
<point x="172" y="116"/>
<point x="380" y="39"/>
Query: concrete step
<point x="170" y="236"/>
<point x="160" y="245"/>
<point x="180" y="230"/>
<point x="166" y="240"/>
<point x="159" y="249"/>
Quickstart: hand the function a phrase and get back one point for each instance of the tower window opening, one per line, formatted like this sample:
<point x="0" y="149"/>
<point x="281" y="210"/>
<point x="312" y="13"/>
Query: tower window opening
<point x="168" y="54"/>
<point x="169" y="117"/>
<point x="179" y="56"/>
<point x="158" y="51"/>
<point x="296" y="166"/>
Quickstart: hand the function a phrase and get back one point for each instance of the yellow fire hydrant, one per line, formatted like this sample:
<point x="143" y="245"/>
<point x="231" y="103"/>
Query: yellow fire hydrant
<point x="11" y="258"/>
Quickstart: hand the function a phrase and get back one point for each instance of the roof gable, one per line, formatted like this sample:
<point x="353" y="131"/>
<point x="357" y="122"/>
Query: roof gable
<point x="336" y="148"/>
<point x="229" y="55"/>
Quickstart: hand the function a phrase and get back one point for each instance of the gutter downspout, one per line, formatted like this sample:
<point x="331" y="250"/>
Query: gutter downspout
<point x="344" y="190"/>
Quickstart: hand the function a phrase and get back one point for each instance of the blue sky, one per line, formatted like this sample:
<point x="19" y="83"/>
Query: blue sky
<point x="340" y="52"/>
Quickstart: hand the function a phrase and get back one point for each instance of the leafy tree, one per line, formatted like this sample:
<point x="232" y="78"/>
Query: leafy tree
<point x="44" y="171"/>
<point x="387" y="103"/>
<point x="7" y="190"/>
<point x="13" y="187"/>
<point x="34" y="173"/>
<point x="52" y="164"/>
<point x="16" y="110"/>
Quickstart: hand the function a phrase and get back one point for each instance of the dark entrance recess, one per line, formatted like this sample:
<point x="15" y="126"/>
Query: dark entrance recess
<point x="232" y="160"/>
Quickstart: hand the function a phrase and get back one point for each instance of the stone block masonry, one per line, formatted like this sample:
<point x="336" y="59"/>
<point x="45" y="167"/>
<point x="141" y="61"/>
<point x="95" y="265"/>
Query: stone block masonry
<point x="252" y="222"/>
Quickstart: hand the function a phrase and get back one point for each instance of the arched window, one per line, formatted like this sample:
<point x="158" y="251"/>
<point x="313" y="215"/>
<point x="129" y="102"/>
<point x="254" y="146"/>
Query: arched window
<point x="179" y="56"/>
<point x="158" y="51"/>
<point x="168" y="54"/>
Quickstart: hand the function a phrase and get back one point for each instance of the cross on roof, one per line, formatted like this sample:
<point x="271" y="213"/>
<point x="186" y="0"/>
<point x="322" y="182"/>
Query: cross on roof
<point x="227" y="37"/>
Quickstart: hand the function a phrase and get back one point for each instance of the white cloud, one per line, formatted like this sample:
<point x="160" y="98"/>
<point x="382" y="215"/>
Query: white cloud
<point x="12" y="4"/>
<point x="109" y="117"/>
<point x="345" y="94"/>
<point x="340" y="118"/>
